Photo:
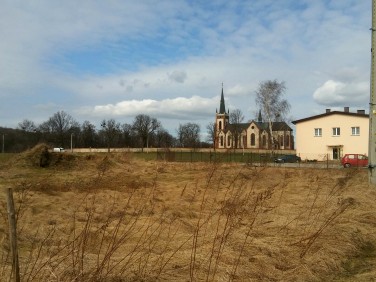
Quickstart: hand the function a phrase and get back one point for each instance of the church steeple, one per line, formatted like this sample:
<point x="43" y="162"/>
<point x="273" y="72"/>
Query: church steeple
<point x="222" y="109"/>
<point x="221" y="122"/>
<point x="259" y="119"/>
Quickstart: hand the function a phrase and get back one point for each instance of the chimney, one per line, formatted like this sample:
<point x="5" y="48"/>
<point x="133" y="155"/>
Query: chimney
<point x="346" y="109"/>
<point x="327" y="111"/>
<point x="361" y="112"/>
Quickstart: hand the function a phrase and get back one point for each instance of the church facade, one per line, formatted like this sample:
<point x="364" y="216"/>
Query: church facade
<point x="251" y="135"/>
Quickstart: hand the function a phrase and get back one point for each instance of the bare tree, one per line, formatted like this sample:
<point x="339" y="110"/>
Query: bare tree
<point x="144" y="125"/>
<point x="111" y="130"/>
<point x="27" y="125"/>
<point x="30" y="132"/>
<point x="127" y="134"/>
<point x="60" y="124"/>
<point x="269" y="97"/>
<point x="211" y="133"/>
<point x="164" y="139"/>
<point x="88" y="134"/>
<point x="236" y="118"/>
<point x="189" y="135"/>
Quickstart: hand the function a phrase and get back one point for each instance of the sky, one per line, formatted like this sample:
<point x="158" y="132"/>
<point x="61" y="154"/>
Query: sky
<point x="168" y="59"/>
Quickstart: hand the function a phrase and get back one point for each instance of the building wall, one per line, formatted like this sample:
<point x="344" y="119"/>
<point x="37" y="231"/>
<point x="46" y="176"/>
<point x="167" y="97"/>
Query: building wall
<point x="221" y="120"/>
<point x="309" y="146"/>
<point x="255" y="130"/>
<point x="244" y="139"/>
<point x="284" y="138"/>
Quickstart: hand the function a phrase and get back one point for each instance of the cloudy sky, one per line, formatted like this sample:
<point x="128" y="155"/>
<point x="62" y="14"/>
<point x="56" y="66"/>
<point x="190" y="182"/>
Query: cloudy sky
<point x="98" y="60"/>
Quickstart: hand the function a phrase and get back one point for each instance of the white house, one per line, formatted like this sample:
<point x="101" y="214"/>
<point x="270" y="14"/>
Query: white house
<point x="332" y="134"/>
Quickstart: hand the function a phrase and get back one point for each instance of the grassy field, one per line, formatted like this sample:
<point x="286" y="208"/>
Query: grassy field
<point x="114" y="217"/>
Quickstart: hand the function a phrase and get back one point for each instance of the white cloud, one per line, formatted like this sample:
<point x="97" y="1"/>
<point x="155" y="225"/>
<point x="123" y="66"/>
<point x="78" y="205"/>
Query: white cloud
<point x="192" y="108"/>
<point x="239" y="43"/>
<point x="238" y="90"/>
<point x="337" y="93"/>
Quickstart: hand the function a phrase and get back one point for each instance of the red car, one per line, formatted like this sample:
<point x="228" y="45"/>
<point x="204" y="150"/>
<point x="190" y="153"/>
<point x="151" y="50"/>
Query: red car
<point x="350" y="160"/>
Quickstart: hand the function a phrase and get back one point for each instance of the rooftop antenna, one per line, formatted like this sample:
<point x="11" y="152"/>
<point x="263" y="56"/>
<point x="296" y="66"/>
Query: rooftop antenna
<point x="372" y="104"/>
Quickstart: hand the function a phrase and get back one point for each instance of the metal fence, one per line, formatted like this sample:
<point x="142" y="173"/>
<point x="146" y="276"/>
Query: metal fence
<point x="247" y="156"/>
<point x="250" y="158"/>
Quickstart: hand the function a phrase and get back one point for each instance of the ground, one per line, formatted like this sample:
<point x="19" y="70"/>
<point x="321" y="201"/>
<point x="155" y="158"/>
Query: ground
<point x="114" y="217"/>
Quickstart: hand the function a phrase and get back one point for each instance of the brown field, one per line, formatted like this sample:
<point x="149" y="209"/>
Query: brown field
<point x="113" y="217"/>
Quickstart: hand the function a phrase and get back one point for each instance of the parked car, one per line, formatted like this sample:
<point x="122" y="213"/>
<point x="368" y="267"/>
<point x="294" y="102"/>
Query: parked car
<point x="287" y="159"/>
<point x="349" y="160"/>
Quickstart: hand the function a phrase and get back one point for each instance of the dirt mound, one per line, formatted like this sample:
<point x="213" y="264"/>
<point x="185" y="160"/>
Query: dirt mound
<point x="41" y="156"/>
<point x="38" y="156"/>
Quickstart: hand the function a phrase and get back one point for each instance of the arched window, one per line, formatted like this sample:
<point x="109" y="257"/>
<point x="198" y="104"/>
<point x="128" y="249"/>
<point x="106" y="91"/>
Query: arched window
<point x="287" y="140"/>
<point x="228" y="141"/>
<point x="264" y="141"/>
<point x="220" y="125"/>
<point x="221" y="140"/>
<point x="253" y="139"/>
<point x="281" y="140"/>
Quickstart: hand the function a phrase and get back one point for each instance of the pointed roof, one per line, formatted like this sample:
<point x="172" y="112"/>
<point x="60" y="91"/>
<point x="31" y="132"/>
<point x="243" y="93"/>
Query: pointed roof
<point x="276" y="125"/>
<point x="329" y="113"/>
<point x="222" y="109"/>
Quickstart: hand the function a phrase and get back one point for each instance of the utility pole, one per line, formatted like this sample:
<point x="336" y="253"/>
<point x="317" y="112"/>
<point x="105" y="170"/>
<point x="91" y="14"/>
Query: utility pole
<point x="372" y="104"/>
<point x="3" y="143"/>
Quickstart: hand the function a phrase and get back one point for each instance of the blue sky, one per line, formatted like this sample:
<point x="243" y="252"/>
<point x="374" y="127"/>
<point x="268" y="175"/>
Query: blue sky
<point x="115" y="59"/>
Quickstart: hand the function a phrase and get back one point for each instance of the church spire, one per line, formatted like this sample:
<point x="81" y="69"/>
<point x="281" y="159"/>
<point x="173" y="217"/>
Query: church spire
<point x="259" y="119"/>
<point x="222" y="109"/>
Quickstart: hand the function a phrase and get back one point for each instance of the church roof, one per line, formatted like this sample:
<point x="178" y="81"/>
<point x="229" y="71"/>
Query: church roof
<point x="222" y="109"/>
<point x="276" y="126"/>
<point x="239" y="126"/>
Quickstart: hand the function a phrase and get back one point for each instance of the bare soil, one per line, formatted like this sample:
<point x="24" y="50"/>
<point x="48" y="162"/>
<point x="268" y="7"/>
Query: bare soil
<point x="113" y="217"/>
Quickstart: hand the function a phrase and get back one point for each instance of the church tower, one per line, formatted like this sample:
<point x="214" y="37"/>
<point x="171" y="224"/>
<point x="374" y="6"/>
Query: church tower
<point x="221" y="119"/>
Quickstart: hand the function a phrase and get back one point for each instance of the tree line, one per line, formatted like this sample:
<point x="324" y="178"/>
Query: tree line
<point x="62" y="130"/>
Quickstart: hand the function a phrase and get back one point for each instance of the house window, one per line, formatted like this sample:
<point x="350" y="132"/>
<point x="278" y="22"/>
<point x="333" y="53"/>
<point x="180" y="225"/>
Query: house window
<point x="318" y="131"/>
<point x="228" y="141"/>
<point x="355" y="130"/>
<point x="287" y="140"/>
<point x="253" y="139"/>
<point x="220" y="125"/>
<point x="336" y="131"/>
<point x="221" y="140"/>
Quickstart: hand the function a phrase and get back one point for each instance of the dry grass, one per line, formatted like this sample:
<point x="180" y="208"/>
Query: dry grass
<point x="116" y="218"/>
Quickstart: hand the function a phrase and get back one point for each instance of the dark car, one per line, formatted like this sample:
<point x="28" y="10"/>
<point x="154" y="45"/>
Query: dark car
<point x="287" y="159"/>
<point x="350" y="160"/>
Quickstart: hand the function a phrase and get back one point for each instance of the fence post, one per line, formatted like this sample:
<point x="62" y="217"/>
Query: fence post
<point x="13" y="235"/>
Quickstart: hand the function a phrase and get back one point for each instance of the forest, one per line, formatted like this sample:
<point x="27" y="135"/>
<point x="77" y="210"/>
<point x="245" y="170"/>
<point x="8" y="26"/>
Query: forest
<point x="62" y="130"/>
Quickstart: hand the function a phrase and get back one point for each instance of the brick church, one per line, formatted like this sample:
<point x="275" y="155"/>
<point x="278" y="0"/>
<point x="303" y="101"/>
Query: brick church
<point x="250" y="135"/>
